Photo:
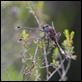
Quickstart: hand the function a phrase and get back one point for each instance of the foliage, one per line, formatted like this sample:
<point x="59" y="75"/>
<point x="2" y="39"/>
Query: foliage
<point x="68" y="43"/>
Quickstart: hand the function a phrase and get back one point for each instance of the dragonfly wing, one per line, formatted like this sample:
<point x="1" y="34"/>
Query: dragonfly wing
<point x="33" y="33"/>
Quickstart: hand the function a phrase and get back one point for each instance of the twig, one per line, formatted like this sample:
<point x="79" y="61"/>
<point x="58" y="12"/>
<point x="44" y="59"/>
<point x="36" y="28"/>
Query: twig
<point x="55" y="70"/>
<point x="46" y="62"/>
<point x="36" y="50"/>
<point x="31" y="11"/>
<point x="59" y="72"/>
<point x="34" y="60"/>
<point x="68" y="66"/>
<point x="45" y="66"/>
<point x="63" y="76"/>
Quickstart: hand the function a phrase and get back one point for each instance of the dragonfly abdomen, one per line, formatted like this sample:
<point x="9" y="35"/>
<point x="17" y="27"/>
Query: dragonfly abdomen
<point x="62" y="51"/>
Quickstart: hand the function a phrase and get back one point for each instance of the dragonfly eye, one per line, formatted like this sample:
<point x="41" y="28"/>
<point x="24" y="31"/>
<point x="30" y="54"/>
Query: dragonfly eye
<point x="46" y="25"/>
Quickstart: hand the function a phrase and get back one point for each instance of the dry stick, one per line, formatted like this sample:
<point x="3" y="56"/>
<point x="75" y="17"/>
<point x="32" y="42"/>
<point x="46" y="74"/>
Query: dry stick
<point x="42" y="61"/>
<point x="24" y="58"/>
<point x="68" y="66"/>
<point x="46" y="62"/>
<point x="46" y="66"/>
<point x="64" y="74"/>
<point x="62" y="67"/>
<point x="36" y="50"/>
<point x="31" y="11"/>
<point x="59" y="72"/>
<point x="56" y="70"/>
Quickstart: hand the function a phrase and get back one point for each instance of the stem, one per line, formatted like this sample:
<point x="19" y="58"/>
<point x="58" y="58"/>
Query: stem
<point x="55" y="70"/>
<point x="36" y="50"/>
<point x="46" y="62"/>
<point x="45" y="66"/>
<point x="68" y="66"/>
<point x="65" y="72"/>
<point x="59" y="72"/>
<point x="31" y="10"/>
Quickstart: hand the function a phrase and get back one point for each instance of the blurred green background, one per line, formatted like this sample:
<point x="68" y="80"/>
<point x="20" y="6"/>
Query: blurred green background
<point x="64" y="14"/>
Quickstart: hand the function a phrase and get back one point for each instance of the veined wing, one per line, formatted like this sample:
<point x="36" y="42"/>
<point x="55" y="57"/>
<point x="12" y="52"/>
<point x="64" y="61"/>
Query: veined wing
<point x="33" y="33"/>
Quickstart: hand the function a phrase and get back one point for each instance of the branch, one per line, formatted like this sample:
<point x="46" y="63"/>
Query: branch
<point x="68" y="66"/>
<point x="46" y="62"/>
<point x="46" y="66"/>
<point x="31" y="11"/>
<point x="63" y="76"/>
<point x="36" y="50"/>
<point x="56" y="70"/>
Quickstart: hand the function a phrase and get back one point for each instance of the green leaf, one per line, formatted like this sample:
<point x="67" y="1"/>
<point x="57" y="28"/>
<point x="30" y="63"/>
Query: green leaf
<point x="72" y="35"/>
<point x="66" y="33"/>
<point x="67" y="44"/>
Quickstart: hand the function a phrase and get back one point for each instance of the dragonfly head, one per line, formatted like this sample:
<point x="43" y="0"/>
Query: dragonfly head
<point x="46" y="27"/>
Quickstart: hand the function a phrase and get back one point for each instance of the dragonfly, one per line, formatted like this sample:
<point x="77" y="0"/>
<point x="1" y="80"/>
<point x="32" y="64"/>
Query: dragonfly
<point x="49" y="33"/>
